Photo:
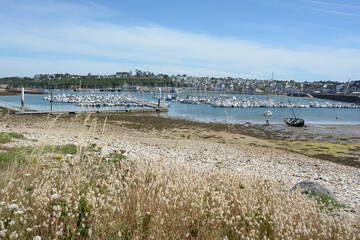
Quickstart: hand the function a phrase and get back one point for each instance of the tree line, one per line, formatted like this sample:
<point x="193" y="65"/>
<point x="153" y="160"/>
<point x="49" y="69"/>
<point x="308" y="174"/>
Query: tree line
<point x="92" y="83"/>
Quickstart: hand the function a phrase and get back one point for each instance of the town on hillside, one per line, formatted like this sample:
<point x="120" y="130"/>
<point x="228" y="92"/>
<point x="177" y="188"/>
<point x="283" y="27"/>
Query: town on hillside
<point x="148" y="81"/>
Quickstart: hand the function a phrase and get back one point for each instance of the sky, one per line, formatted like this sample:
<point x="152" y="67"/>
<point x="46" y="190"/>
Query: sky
<point x="301" y="40"/>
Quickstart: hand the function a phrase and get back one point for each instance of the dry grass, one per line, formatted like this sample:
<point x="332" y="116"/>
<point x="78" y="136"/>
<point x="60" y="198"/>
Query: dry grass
<point x="97" y="196"/>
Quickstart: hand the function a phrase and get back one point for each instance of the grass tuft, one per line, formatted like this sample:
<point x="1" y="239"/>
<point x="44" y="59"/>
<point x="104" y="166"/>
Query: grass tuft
<point x="325" y="202"/>
<point x="6" y="137"/>
<point x="16" y="135"/>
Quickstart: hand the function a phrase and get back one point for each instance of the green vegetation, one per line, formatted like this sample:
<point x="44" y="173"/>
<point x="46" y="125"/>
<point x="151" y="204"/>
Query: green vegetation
<point x="15" y="155"/>
<point x="313" y="148"/>
<point x="82" y="221"/>
<point x="86" y="83"/>
<point x="325" y="202"/>
<point x="16" y="135"/>
<point x="323" y="150"/>
<point x="7" y="137"/>
<point x="60" y="149"/>
<point x="116" y="157"/>
<point x="4" y="138"/>
<point x="29" y="153"/>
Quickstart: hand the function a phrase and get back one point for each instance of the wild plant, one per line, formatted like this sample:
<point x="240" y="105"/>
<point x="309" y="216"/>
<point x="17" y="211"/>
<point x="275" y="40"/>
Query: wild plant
<point x="97" y="195"/>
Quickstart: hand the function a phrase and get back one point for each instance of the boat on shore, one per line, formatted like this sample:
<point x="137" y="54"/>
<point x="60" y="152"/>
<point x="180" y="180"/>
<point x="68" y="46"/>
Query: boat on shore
<point x="294" y="122"/>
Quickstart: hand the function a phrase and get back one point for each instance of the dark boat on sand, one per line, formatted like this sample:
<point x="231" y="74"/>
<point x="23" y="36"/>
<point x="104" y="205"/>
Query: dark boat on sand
<point x="294" y="122"/>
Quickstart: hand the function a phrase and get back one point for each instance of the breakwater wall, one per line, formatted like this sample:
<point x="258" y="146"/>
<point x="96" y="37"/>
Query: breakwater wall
<point x="342" y="98"/>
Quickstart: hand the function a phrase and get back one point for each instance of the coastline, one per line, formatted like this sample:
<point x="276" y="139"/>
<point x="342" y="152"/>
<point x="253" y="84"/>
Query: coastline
<point x="339" y="143"/>
<point x="234" y="147"/>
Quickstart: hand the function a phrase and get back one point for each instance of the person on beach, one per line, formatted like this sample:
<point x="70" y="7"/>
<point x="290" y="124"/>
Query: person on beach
<point x="267" y="122"/>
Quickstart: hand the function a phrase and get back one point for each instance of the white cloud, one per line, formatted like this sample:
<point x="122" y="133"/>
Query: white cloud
<point x="104" y="48"/>
<point x="336" y="12"/>
<point x="339" y="5"/>
<point x="30" y="67"/>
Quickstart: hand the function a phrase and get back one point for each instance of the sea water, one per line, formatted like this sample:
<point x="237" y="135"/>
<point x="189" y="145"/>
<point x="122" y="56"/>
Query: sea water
<point x="207" y="113"/>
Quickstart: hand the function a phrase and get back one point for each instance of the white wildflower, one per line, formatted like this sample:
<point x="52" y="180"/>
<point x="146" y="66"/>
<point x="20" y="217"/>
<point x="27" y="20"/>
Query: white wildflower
<point x="13" y="235"/>
<point x="54" y="196"/>
<point x="19" y="212"/>
<point x="37" y="238"/>
<point x="2" y="203"/>
<point x="29" y="230"/>
<point x="13" y="206"/>
<point x="12" y="223"/>
<point x="27" y="174"/>
<point x="3" y="233"/>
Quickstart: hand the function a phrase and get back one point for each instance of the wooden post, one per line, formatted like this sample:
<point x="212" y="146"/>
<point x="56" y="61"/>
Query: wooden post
<point x="51" y="100"/>
<point x="159" y="96"/>
<point x="22" y="99"/>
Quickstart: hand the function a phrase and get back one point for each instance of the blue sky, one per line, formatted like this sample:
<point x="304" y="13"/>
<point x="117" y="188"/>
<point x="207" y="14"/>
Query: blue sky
<point x="303" y="40"/>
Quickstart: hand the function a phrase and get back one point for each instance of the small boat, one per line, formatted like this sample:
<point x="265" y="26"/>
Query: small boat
<point x="267" y="113"/>
<point x="294" y="122"/>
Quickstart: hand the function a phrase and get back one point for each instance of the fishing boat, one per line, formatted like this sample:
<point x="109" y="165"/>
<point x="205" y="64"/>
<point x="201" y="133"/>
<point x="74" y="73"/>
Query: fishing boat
<point x="294" y="122"/>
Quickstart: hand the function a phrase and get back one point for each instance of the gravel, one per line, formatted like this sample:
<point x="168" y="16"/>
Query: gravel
<point x="284" y="167"/>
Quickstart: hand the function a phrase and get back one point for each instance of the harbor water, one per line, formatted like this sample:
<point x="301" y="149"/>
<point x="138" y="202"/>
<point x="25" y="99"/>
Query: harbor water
<point x="208" y="113"/>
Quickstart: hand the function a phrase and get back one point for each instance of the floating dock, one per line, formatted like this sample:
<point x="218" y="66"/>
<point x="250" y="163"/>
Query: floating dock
<point x="120" y="111"/>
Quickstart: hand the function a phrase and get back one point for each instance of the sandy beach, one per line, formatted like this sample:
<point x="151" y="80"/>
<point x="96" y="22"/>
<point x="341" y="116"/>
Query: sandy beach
<point x="236" y="147"/>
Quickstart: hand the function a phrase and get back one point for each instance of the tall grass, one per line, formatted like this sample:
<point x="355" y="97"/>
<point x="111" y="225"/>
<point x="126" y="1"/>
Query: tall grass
<point x="98" y="196"/>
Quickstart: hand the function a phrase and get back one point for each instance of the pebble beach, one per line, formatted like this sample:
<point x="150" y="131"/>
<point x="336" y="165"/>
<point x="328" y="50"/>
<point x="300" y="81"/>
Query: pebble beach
<point x="244" y="155"/>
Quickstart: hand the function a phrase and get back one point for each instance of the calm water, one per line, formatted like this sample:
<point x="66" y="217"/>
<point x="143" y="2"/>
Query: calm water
<point x="206" y="113"/>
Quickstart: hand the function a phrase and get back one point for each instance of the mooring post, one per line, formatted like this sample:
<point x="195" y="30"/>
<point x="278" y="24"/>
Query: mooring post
<point x="22" y="99"/>
<point x="51" y="100"/>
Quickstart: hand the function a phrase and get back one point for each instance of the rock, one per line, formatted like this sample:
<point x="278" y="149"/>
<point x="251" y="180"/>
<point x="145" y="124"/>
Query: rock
<point x="313" y="187"/>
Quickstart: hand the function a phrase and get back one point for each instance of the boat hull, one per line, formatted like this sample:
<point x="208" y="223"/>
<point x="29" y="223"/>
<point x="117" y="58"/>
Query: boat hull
<point x="294" y="122"/>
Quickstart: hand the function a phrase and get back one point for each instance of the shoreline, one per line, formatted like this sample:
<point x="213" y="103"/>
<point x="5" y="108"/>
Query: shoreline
<point x="264" y="122"/>
<point x="202" y="145"/>
<point x="335" y="143"/>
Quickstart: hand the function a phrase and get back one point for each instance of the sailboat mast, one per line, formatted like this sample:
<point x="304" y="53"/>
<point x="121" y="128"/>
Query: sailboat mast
<point x="292" y="109"/>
